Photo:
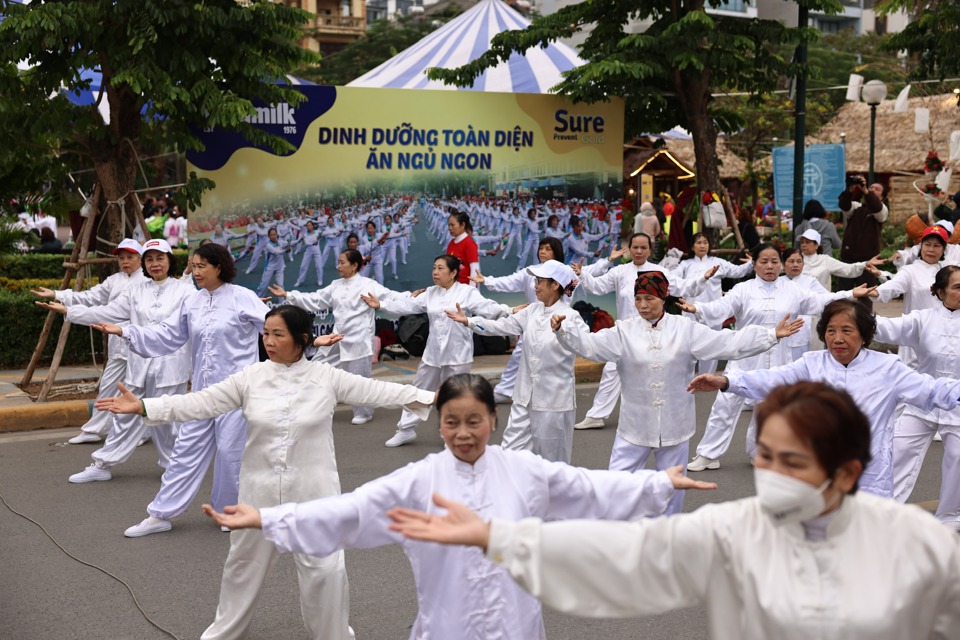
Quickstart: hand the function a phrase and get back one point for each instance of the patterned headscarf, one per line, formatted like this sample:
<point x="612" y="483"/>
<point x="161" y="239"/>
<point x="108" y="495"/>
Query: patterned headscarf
<point x="652" y="283"/>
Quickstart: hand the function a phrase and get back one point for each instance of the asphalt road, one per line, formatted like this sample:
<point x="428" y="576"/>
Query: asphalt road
<point x="175" y="576"/>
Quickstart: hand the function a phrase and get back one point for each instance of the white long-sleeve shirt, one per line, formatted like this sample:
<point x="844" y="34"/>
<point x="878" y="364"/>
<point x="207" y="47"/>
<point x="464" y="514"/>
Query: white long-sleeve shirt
<point x="223" y="327"/>
<point x="143" y="305"/>
<point x="101" y="294"/>
<point x="695" y="268"/>
<point x="351" y="315"/>
<point x="655" y="365"/>
<point x="877" y="382"/>
<point x="885" y="571"/>
<point x="289" y="454"/>
<point x="933" y="335"/>
<point x="821" y="266"/>
<point x="621" y="280"/>
<point x="460" y="595"/>
<point x="913" y="282"/>
<point x="802" y="338"/>
<point x="545" y="381"/>
<point x="450" y="342"/>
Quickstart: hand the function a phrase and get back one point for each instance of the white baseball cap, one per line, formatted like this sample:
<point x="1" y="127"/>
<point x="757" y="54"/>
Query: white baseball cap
<point x="946" y="224"/>
<point x="129" y="244"/>
<point x="811" y="234"/>
<point x="157" y="244"/>
<point x="554" y="270"/>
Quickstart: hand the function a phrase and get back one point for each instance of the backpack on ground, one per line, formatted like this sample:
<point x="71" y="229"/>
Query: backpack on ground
<point x="412" y="333"/>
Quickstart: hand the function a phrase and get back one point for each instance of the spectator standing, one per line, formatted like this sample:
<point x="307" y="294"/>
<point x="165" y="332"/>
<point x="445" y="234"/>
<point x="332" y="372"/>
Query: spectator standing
<point x="863" y="216"/>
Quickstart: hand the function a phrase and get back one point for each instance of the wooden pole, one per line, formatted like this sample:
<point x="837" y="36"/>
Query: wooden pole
<point x="85" y="232"/>
<point x="65" y="329"/>
<point x="728" y="206"/>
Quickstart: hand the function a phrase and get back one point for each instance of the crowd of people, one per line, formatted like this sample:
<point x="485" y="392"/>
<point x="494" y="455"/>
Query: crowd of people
<point x="838" y="435"/>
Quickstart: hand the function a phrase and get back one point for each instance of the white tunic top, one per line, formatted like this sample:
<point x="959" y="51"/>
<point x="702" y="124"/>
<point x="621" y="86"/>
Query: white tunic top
<point x="821" y="266"/>
<point x="913" y="282"/>
<point x="621" y="280"/>
<point x="289" y="454"/>
<point x="802" y="338"/>
<point x="450" y="342"/>
<point x="656" y="364"/>
<point x="223" y="327"/>
<point x="99" y="295"/>
<point x="352" y="317"/>
<point x="876" y="381"/>
<point x="146" y="304"/>
<point x="885" y="571"/>
<point x="695" y="268"/>
<point x="758" y="302"/>
<point x="933" y="334"/>
<point x="460" y="595"/>
<point x="546" y="381"/>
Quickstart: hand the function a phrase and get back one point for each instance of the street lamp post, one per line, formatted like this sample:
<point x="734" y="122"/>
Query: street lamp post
<point x="873" y="94"/>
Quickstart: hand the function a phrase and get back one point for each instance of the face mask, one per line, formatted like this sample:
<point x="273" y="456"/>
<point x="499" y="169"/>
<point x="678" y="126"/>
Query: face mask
<point x="788" y="500"/>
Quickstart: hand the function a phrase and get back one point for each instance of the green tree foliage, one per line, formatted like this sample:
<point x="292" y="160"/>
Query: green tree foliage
<point x="932" y="38"/>
<point x="668" y="72"/>
<point x="383" y="40"/>
<point x="167" y="65"/>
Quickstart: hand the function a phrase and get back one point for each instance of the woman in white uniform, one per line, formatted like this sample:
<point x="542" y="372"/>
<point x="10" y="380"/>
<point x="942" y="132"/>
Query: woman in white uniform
<point x="145" y="304"/>
<point x="311" y="256"/>
<point x="449" y="350"/>
<point x="932" y="334"/>
<point x="877" y="381"/>
<point x="761" y="301"/>
<point x="289" y="455"/>
<point x="353" y="319"/>
<point x="544" y="403"/>
<point x="459" y="594"/>
<point x="809" y="557"/>
<point x="699" y="263"/>
<point x="620" y="281"/>
<point x="222" y="323"/>
<point x="371" y="247"/>
<point x="655" y="354"/>
<point x="823" y="265"/>
<point x="130" y="274"/>
<point x="273" y="268"/>
<point x="800" y="342"/>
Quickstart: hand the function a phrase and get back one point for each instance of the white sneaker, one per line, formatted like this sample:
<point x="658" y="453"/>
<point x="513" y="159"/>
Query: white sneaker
<point x="225" y="529"/>
<point x="401" y="437"/>
<point x="93" y="473"/>
<point x="143" y="441"/>
<point x="499" y="398"/>
<point x="148" y="526"/>
<point x="361" y="419"/>
<point x="700" y="463"/>
<point x="937" y="437"/>
<point x="84" y="438"/>
<point x="590" y="423"/>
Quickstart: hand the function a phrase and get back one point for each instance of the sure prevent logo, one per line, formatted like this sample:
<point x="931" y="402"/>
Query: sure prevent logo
<point x="586" y="129"/>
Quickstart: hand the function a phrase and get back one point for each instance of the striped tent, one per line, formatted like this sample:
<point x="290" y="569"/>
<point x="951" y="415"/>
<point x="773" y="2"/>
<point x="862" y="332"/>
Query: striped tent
<point x="463" y="40"/>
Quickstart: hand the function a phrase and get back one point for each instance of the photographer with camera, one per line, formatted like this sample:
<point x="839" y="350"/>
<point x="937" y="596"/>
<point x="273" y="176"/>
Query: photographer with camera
<point x="864" y="212"/>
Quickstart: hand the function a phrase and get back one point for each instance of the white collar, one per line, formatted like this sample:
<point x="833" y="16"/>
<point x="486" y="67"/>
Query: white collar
<point x="460" y="238"/>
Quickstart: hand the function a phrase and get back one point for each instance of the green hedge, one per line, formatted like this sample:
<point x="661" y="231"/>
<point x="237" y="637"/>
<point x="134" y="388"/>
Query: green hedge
<point x="23" y="322"/>
<point x="47" y="265"/>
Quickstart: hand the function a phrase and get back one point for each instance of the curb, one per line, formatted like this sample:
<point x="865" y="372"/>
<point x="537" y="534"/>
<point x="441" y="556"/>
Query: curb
<point x="56" y="415"/>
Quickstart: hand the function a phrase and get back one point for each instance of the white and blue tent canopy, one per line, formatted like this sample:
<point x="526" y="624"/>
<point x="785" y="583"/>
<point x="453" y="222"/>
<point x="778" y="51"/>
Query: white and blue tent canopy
<point x="463" y="40"/>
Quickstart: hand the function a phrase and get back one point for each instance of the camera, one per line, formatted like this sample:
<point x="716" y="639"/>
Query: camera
<point x="856" y="179"/>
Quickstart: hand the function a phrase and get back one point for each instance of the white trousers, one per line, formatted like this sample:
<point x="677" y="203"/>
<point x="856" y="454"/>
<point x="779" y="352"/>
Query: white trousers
<point x="607" y="393"/>
<point x="273" y="273"/>
<point x="374" y="269"/>
<point x="429" y="378"/>
<point x="706" y="366"/>
<point x="529" y="251"/>
<point x="508" y="379"/>
<point x="194" y="449"/>
<point x="129" y="429"/>
<point x="911" y="439"/>
<point x="257" y="252"/>
<point x="360" y="367"/>
<point x="101" y="422"/>
<point x="324" y="593"/>
<point x="627" y="456"/>
<point x="514" y="239"/>
<point x="720" y="427"/>
<point x="310" y="257"/>
<point x="548" y="434"/>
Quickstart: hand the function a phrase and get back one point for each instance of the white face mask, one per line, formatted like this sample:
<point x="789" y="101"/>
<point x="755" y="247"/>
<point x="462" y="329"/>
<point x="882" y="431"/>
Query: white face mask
<point x="788" y="500"/>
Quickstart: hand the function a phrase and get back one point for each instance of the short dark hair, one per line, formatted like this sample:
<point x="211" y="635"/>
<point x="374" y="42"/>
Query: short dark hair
<point x="864" y="319"/>
<point x="466" y="384"/>
<point x="218" y="256"/>
<point x="353" y="257"/>
<point x="760" y="248"/>
<point x="640" y="235"/>
<point x="172" y="270"/>
<point x="462" y="218"/>
<point x="453" y="262"/>
<point x="299" y="323"/>
<point x="788" y="253"/>
<point x="555" y="245"/>
<point x="825" y="417"/>
<point x="942" y="280"/>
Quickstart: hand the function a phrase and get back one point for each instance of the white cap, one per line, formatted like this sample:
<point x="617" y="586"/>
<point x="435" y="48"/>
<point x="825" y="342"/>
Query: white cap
<point x="157" y="244"/>
<point x="128" y="244"/>
<point x="811" y="234"/>
<point x="554" y="270"/>
<point x="946" y="224"/>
